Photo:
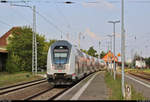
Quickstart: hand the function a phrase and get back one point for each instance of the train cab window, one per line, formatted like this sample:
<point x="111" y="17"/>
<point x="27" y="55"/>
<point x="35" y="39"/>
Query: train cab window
<point x="60" y="58"/>
<point x="60" y="55"/>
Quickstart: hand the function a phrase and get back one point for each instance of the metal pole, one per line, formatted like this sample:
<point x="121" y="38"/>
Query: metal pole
<point x="33" y="70"/>
<point x="34" y="44"/>
<point x="79" y="39"/>
<point x="114" y="67"/>
<point x="111" y="52"/>
<point x="114" y="54"/>
<point x="99" y="49"/>
<point x="68" y="36"/>
<point x="107" y="55"/>
<point x="141" y="61"/>
<point x="122" y="47"/>
<point x="132" y="58"/>
<point x="34" y="8"/>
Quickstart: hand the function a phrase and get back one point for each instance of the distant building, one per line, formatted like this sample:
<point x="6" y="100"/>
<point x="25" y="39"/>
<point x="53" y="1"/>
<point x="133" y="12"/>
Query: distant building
<point x="140" y="64"/>
<point x="3" y="51"/>
<point x="129" y="61"/>
<point x="107" y="58"/>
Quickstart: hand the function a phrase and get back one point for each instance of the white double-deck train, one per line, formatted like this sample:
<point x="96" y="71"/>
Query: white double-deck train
<point x="67" y="64"/>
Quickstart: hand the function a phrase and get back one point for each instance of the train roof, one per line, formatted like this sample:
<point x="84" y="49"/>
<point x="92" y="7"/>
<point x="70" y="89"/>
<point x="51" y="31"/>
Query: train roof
<point x="61" y="43"/>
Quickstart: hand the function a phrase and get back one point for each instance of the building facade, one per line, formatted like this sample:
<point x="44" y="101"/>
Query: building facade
<point x="3" y="48"/>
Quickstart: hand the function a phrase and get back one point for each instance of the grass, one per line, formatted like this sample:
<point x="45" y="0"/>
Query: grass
<point x="114" y="87"/>
<point x="44" y="72"/>
<point x="7" y="79"/>
<point x="136" y="96"/>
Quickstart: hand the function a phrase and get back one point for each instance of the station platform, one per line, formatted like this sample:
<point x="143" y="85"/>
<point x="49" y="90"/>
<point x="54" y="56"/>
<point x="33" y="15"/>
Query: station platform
<point x="92" y="87"/>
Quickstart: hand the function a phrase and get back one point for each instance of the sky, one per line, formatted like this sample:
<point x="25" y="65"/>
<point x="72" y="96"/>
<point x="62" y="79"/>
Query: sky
<point x="89" y="18"/>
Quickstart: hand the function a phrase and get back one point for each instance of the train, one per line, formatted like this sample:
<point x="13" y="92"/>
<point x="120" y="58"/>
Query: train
<point x="67" y="64"/>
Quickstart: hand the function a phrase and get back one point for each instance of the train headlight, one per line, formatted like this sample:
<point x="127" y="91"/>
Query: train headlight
<point x="53" y="67"/>
<point x="67" y="66"/>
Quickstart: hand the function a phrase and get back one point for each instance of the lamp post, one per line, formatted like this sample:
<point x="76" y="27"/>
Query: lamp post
<point x="108" y="55"/>
<point x="111" y="50"/>
<point x="114" y="22"/>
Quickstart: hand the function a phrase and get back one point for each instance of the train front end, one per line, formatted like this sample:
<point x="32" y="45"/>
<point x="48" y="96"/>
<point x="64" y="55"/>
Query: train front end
<point x="58" y="66"/>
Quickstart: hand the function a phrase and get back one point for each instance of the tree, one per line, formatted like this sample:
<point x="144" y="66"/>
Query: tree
<point x="13" y="63"/>
<point x="147" y="60"/>
<point x="84" y="51"/>
<point x="20" y="45"/>
<point x="92" y="52"/>
<point x="102" y="54"/>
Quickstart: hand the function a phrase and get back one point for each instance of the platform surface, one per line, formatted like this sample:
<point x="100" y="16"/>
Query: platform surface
<point x="91" y="88"/>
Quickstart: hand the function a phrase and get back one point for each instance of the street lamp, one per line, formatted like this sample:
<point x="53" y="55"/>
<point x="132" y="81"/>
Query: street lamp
<point x="111" y="50"/>
<point x="114" y="22"/>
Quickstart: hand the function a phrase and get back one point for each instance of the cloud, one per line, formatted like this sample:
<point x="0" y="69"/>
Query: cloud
<point x="93" y="35"/>
<point x="99" y="3"/>
<point x="107" y="4"/>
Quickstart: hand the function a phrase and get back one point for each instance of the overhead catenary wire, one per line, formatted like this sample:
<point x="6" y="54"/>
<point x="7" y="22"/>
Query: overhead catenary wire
<point x="130" y="1"/>
<point x="93" y="2"/>
<point x="2" y="22"/>
<point x="21" y="15"/>
<point x="63" y="16"/>
<point x="49" y="22"/>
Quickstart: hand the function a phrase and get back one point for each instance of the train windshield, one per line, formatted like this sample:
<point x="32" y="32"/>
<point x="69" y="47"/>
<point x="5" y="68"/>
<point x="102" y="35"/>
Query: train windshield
<point x="60" y="55"/>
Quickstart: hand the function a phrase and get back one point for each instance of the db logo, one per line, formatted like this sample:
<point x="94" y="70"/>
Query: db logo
<point x="59" y="70"/>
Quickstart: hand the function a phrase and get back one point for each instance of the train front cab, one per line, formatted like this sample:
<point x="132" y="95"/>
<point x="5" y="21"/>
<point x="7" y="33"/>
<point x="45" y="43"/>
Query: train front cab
<point x="59" y="68"/>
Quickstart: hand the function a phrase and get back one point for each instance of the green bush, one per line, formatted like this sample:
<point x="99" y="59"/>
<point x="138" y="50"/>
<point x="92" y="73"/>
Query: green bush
<point x="12" y="64"/>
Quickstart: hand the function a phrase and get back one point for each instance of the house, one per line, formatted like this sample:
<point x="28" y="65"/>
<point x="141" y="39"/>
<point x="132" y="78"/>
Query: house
<point x="140" y="64"/>
<point x="3" y="50"/>
<point x="107" y="58"/>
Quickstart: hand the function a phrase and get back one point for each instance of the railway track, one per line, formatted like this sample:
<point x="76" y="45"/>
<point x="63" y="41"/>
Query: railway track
<point x="35" y="90"/>
<point x="50" y="94"/>
<point x="142" y="76"/>
<point x="8" y="89"/>
<point x="21" y="91"/>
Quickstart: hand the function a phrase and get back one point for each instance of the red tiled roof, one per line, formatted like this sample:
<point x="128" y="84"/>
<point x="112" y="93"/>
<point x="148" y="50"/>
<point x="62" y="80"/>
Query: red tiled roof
<point x="106" y="58"/>
<point x="3" y="41"/>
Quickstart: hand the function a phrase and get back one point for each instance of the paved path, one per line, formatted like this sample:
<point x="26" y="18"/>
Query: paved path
<point x="91" y="88"/>
<point x="97" y="90"/>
